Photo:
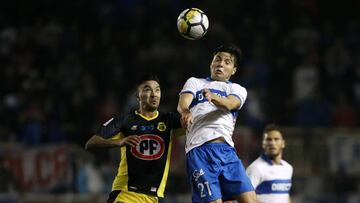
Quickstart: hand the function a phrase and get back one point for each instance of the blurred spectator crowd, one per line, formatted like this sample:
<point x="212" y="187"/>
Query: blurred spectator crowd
<point x="66" y="66"/>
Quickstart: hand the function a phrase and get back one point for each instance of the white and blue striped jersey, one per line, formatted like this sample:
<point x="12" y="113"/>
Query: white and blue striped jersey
<point x="272" y="182"/>
<point x="211" y="121"/>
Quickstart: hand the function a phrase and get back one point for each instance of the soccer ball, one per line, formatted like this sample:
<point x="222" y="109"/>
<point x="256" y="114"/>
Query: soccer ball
<point x="192" y="23"/>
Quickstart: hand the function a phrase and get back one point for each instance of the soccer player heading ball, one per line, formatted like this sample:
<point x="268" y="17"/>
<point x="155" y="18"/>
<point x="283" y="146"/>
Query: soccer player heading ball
<point x="209" y="108"/>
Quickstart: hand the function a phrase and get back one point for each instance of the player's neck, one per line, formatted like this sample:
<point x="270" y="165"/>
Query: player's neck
<point x="276" y="160"/>
<point x="226" y="80"/>
<point x="148" y="114"/>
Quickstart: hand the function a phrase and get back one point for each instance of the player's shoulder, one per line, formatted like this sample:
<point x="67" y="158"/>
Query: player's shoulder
<point x="169" y="114"/>
<point x="117" y="119"/>
<point x="166" y="113"/>
<point x="126" y="117"/>
<point x="195" y="79"/>
<point x="236" y="85"/>
<point x="257" y="164"/>
<point x="170" y="118"/>
<point x="286" y="164"/>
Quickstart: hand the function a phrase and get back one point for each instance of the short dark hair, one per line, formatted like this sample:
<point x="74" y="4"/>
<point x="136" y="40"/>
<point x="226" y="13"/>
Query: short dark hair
<point x="232" y="49"/>
<point x="271" y="127"/>
<point x="147" y="77"/>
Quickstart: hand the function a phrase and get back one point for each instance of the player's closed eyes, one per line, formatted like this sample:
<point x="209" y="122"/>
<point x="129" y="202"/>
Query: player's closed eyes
<point x="150" y="90"/>
<point x="227" y="61"/>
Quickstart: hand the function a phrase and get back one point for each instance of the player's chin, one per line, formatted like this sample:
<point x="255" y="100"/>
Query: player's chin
<point x="153" y="107"/>
<point x="218" y="77"/>
<point x="273" y="153"/>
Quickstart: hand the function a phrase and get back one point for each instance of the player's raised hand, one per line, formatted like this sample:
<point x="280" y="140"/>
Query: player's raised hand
<point x="207" y="94"/>
<point x="132" y="140"/>
<point x="186" y="120"/>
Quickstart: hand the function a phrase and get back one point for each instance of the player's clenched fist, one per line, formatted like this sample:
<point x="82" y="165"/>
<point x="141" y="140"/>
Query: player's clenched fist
<point x="207" y="94"/>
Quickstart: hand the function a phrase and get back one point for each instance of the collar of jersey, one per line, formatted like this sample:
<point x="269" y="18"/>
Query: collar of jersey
<point x="147" y="118"/>
<point x="210" y="79"/>
<point x="267" y="159"/>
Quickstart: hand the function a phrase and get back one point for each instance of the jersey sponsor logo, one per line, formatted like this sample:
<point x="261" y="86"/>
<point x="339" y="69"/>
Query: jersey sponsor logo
<point x="200" y="96"/>
<point x="151" y="147"/>
<point x="274" y="187"/>
<point x="146" y="128"/>
<point x="161" y="126"/>
<point x="201" y="99"/>
<point x="280" y="186"/>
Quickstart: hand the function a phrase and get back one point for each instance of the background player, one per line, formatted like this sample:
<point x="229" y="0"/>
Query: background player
<point x="208" y="109"/>
<point x="144" y="137"/>
<point x="270" y="174"/>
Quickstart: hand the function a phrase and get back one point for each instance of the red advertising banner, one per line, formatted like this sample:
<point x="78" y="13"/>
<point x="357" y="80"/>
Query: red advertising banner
<point x="39" y="169"/>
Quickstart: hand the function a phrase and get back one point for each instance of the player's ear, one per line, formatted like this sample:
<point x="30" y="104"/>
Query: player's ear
<point x="137" y="95"/>
<point x="234" y="70"/>
<point x="263" y="144"/>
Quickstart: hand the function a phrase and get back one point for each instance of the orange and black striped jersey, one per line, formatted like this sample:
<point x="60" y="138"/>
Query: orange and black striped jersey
<point x="143" y="168"/>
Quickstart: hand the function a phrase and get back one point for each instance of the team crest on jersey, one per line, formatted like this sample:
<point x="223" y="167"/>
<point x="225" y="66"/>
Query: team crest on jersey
<point x="134" y="127"/>
<point x="151" y="147"/>
<point x="161" y="126"/>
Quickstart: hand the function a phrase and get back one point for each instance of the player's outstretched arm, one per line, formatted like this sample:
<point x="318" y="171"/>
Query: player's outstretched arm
<point x="230" y="102"/>
<point x="97" y="141"/>
<point x="183" y="108"/>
